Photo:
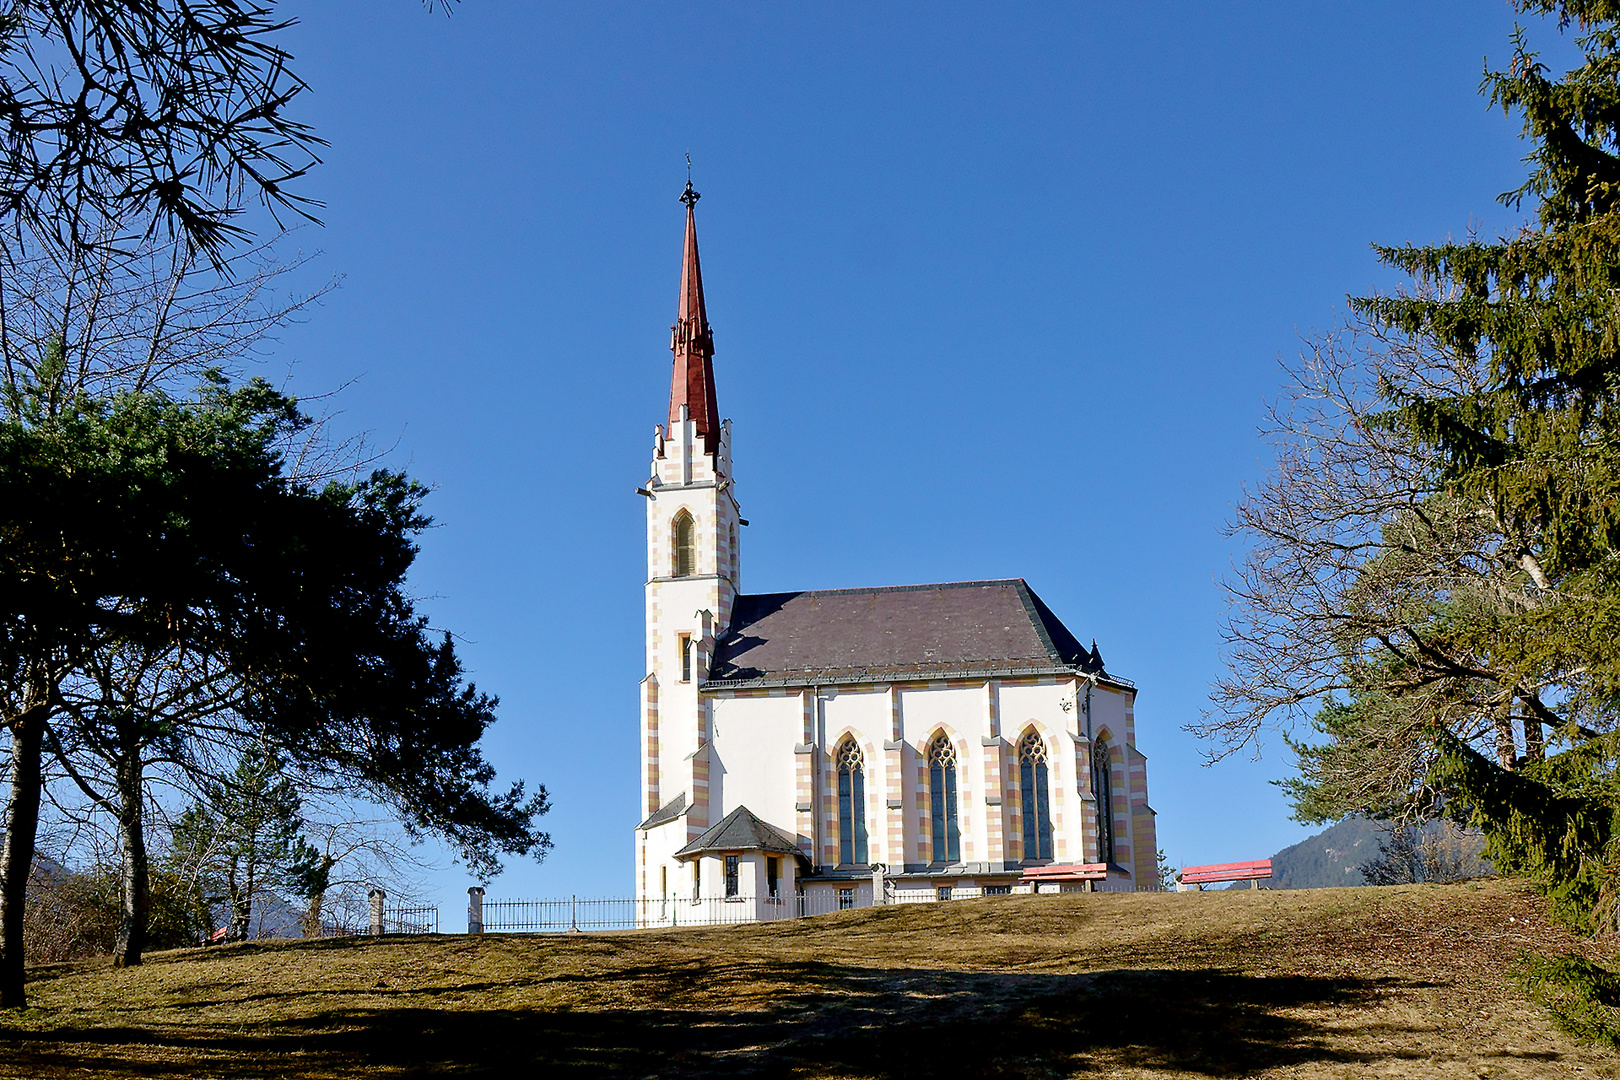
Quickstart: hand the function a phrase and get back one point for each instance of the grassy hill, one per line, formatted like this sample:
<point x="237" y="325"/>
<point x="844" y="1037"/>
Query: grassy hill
<point x="1405" y="982"/>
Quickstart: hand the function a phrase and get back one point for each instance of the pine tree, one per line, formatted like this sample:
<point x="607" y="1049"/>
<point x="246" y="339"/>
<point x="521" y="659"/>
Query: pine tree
<point x="243" y="840"/>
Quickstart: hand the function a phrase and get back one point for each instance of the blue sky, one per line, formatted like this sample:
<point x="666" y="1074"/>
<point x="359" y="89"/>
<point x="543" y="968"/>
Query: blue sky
<point x="997" y="291"/>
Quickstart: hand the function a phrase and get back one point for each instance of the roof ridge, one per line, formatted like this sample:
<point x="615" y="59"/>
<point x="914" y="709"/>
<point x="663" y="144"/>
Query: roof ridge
<point x="1026" y="596"/>
<point x="892" y="588"/>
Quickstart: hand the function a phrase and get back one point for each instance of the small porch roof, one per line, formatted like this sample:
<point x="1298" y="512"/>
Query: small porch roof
<point x="741" y="830"/>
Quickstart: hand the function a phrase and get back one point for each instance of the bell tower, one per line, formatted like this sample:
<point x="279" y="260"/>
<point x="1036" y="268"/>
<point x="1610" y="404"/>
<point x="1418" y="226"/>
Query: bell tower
<point x="692" y="556"/>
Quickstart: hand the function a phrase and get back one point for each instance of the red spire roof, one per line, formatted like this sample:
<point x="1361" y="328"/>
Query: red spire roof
<point x="692" y="342"/>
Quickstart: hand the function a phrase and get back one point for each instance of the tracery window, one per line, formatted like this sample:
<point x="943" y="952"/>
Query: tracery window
<point x="946" y="832"/>
<point x="685" y="545"/>
<point x="851" y="804"/>
<point x="1032" y="787"/>
<point x="1102" y="786"/>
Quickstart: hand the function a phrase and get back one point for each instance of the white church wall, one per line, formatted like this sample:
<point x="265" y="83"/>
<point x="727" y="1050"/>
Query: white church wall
<point x="658" y="846"/>
<point x="924" y="710"/>
<point x="1022" y="704"/>
<point x="752" y="763"/>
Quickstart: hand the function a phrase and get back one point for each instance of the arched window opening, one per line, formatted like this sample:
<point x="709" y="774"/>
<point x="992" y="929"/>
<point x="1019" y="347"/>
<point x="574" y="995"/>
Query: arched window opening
<point x="1102" y="786"/>
<point x="1032" y="787"/>
<point x="685" y="545"/>
<point x="947" y="834"/>
<point x="851" y="805"/>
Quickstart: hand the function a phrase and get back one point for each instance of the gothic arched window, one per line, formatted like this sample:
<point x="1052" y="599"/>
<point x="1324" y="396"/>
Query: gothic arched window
<point x="947" y="834"/>
<point x="851" y="805"/>
<point x="1032" y="789"/>
<point x="685" y="545"/>
<point x="1102" y="786"/>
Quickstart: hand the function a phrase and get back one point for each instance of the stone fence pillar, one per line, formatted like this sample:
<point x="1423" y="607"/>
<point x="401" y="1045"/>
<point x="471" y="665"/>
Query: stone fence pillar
<point x="376" y="896"/>
<point x="475" y="910"/>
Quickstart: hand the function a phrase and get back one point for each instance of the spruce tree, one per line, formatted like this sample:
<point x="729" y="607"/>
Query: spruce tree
<point x="1532" y="449"/>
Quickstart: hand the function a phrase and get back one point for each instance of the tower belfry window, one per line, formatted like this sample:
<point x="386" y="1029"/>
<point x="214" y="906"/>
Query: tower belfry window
<point x="685" y="545"/>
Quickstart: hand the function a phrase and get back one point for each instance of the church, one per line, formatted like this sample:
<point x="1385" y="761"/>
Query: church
<point x="808" y="751"/>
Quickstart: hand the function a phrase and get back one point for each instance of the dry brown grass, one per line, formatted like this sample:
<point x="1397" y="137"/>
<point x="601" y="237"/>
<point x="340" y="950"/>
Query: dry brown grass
<point x="1403" y="982"/>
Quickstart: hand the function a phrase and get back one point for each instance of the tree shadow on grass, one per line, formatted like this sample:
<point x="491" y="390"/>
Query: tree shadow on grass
<point x="837" y="1021"/>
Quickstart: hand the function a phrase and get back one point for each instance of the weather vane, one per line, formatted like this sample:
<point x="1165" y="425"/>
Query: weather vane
<point x="689" y="197"/>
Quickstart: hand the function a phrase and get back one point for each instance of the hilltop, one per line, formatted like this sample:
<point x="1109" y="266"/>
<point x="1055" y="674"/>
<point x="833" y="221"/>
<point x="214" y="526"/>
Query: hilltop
<point x="1402" y="982"/>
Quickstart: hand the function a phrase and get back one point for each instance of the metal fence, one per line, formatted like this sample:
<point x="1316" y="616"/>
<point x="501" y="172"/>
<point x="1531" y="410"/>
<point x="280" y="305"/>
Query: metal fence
<point x="592" y="913"/>
<point x="578" y="913"/>
<point x="423" y="919"/>
<point x="403" y="919"/>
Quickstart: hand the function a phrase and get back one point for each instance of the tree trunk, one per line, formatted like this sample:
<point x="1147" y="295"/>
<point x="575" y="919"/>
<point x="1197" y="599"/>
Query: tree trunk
<point x="17" y="851"/>
<point x="241" y="901"/>
<point x="135" y="883"/>
<point x="1533" y="745"/>
<point x="317" y="897"/>
<point x="312" y="917"/>
<point x="1507" y="751"/>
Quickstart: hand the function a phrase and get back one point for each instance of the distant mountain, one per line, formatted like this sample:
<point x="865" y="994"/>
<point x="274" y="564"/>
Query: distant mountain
<point x="1331" y="857"/>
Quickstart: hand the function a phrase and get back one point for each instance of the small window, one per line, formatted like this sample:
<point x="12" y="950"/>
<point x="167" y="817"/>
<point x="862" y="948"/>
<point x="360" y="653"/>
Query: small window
<point x="686" y="658"/>
<point x="998" y="890"/>
<point x="731" y="875"/>
<point x="685" y="545"/>
<point x="943" y="892"/>
<point x="773" y="876"/>
<point x="846" y="899"/>
<point x="697" y="881"/>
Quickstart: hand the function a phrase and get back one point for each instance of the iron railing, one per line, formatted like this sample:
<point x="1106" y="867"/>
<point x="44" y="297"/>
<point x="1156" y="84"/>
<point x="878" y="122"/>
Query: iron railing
<point x="577" y="913"/>
<point x="423" y="919"/>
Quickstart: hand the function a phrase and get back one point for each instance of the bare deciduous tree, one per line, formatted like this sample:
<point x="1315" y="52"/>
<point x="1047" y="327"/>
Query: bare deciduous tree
<point x="1366" y="581"/>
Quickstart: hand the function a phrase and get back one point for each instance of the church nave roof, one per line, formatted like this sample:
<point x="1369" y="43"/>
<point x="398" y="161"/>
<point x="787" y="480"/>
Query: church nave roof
<point x="845" y="635"/>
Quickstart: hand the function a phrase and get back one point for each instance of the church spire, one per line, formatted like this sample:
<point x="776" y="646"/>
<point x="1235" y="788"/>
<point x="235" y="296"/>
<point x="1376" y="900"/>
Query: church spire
<point x="692" y="384"/>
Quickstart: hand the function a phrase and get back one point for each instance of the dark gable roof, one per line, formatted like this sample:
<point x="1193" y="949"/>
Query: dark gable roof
<point x="667" y="813"/>
<point x="845" y="635"/>
<point x="740" y="830"/>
